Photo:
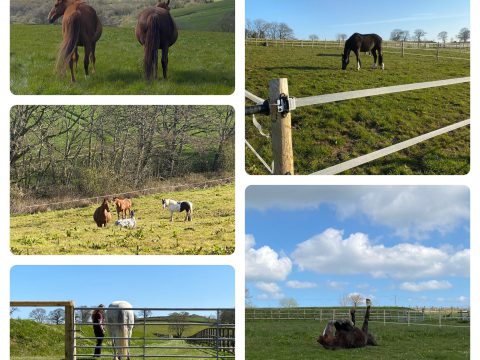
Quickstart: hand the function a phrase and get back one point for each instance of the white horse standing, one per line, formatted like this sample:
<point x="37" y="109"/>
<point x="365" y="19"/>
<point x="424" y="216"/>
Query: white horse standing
<point x="178" y="206"/>
<point x="120" y="320"/>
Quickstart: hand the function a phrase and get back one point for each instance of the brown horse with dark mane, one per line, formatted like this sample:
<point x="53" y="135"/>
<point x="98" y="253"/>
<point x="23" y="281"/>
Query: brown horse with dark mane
<point x="122" y="206"/>
<point x="156" y="30"/>
<point x="347" y="336"/>
<point x="102" y="214"/>
<point x="80" y="27"/>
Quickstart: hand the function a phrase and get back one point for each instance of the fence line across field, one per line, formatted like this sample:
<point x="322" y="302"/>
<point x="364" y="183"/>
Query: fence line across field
<point x="96" y="199"/>
<point x="287" y="152"/>
<point x="437" y="318"/>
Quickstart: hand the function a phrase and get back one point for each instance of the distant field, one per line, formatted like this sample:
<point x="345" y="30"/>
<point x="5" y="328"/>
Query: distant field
<point x="326" y="135"/>
<point x="199" y="63"/>
<point x="296" y="339"/>
<point x="73" y="231"/>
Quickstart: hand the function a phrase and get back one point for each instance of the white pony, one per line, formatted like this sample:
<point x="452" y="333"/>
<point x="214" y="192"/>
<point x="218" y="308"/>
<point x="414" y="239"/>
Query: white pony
<point x="120" y="320"/>
<point x="178" y="206"/>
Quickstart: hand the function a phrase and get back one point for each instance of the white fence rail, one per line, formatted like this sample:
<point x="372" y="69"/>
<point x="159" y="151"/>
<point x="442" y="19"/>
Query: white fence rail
<point x="350" y="95"/>
<point x="452" y="317"/>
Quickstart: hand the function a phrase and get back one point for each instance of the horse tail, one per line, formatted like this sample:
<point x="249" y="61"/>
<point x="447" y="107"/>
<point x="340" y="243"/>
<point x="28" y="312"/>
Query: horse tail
<point x="71" y="34"/>
<point x="152" y="43"/>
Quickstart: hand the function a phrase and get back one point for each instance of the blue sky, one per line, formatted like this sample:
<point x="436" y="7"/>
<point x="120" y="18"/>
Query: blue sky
<point x="398" y="245"/>
<point x="327" y="18"/>
<point x="142" y="286"/>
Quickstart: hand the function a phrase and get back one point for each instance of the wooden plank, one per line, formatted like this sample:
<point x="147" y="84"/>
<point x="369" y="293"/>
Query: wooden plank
<point x="350" y="164"/>
<point x="40" y="303"/>
<point x="349" y="95"/>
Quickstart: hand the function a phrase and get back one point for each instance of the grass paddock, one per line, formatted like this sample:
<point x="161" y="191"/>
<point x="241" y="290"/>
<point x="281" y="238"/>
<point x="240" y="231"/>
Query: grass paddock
<point x="296" y="339"/>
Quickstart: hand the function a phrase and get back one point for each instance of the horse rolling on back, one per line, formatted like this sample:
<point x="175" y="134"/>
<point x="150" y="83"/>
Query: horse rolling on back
<point x="178" y="206"/>
<point x="102" y="214"/>
<point x="156" y="30"/>
<point x="347" y="336"/>
<point x="363" y="43"/>
<point x="120" y="321"/>
<point x="80" y="27"/>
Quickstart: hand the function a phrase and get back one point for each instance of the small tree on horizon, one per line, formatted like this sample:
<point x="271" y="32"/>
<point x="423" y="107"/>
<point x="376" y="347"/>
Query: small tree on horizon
<point x="288" y="303"/>
<point x="57" y="316"/>
<point x="38" y="315"/>
<point x="464" y="35"/>
<point x="313" y="37"/>
<point x="419" y="34"/>
<point x="443" y="36"/>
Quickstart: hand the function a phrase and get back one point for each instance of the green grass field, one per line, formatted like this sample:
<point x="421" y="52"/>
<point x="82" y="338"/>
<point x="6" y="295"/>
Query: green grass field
<point x="326" y="135"/>
<point x="73" y="231"/>
<point x="296" y="339"/>
<point x="200" y="63"/>
<point x="33" y="341"/>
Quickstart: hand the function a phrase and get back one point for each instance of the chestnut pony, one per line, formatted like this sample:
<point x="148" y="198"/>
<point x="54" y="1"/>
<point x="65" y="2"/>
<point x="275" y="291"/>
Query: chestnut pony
<point x="156" y="30"/>
<point x="122" y="206"/>
<point x="102" y="214"/>
<point x="80" y="27"/>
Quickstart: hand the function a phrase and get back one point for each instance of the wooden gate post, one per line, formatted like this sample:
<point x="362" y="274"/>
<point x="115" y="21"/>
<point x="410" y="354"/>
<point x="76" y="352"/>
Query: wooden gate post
<point x="282" y="149"/>
<point x="70" y="331"/>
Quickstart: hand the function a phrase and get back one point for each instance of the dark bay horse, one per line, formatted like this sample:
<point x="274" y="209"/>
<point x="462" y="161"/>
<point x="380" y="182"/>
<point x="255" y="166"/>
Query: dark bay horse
<point x="80" y="27"/>
<point x="102" y="214"/>
<point x="156" y="30"/>
<point x="363" y="43"/>
<point x="347" y="336"/>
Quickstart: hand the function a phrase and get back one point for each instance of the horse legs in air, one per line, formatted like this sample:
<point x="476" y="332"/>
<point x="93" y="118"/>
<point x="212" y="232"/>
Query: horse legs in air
<point x="165" y="61"/>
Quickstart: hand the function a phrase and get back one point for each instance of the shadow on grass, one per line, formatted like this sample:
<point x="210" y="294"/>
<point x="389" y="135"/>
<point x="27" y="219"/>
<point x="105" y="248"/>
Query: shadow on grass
<point x="302" y="68"/>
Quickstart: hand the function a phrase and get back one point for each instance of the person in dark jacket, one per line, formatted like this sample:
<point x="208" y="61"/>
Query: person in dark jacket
<point x="98" y="321"/>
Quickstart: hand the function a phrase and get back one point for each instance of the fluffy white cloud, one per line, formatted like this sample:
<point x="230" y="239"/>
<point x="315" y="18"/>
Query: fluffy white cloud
<point x="270" y="290"/>
<point x="330" y="253"/>
<point x="413" y="211"/>
<point x="264" y="264"/>
<point x="295" y="284"/>
<point x="337" y="284"/>
<point x="426" y="285"/>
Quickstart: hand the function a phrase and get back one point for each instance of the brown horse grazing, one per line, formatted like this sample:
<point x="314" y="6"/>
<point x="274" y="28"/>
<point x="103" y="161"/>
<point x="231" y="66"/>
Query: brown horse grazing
<point x="347" y="336"/>
<point x="80" y="27"/>
<point x="102" y="214"/>
<point x="122" y="206"/>
<point x="156" y="30"/>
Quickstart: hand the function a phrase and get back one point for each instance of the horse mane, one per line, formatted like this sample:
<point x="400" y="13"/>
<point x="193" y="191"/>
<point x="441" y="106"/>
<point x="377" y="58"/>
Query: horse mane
<point x="164" y="5"/>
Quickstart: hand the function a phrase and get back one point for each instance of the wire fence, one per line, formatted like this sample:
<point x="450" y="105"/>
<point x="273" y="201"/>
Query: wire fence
<point x="81" y="202"/>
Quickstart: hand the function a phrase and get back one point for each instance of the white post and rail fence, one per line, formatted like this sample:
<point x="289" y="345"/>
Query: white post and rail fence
<point x="280" y="106"/>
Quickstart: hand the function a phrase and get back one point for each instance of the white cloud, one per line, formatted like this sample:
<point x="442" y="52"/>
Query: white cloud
<point x="295" y="284"/>
<point x="337" y="284"/>
<point x="426" y="285"/>
<point x="270" y="290"/>
<point x="265" y="264"/>
<point x="412" y="211"/>
<point x="462" y="299"/>
<point x="330" y="253"/>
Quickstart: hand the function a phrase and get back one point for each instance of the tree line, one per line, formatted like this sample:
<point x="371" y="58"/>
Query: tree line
<point x="261" y="29"/>
<point x="419" y="34"/>
<point x="94" y="150"/>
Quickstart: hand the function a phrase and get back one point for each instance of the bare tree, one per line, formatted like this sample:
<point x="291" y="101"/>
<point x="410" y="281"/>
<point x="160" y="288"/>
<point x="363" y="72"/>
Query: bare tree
<point x="443" y="36"/>
<point x="341" y="37"/>
<point x="288" y="303"/>
<point x="313" y="37"/>
<point x="260" y="27"/>
<point x="464" y="35"/>
<point x="13" y="309"/>
<point x="285" y="32"/>
<point x="356" y="299"/>
<point x="178" y="320"/>
<point x="57" y="316"/>
<point x="399" y="35"/>
<point x="419" y="34"/>
<point x="344" y="300"/>
<point x="248" y="299"/>
<point x="227" y="316"/>
<point x="38" y="315"/>
<point x="144" y="313"/>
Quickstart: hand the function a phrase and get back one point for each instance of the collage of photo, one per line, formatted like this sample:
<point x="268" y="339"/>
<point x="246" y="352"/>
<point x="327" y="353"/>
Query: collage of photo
<point x="149" y="218"/>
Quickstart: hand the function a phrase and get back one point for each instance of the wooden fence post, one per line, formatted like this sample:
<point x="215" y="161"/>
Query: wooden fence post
<point x="282" y="148"/>
<point x="70" y="331"/>
<point x="403" y="48"/>
<point x="438" y="50"/>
